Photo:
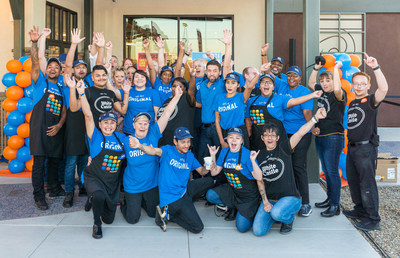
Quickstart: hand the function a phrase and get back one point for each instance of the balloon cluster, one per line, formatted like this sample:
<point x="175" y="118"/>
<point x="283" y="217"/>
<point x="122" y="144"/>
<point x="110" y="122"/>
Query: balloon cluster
<point x="19" y="105"/>
<point x="350" y="64"/>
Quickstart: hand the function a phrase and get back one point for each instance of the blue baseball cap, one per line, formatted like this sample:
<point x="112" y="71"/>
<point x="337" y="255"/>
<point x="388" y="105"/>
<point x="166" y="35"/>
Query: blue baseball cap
<point x="54" y="59"/>
<point x="62" y="57"/>
<point x="268" y="75"/>
<point x="108" y="115"/>
<point x="167" y="68"/>
<point x="235" y="130"/>
<point x="78" y="62"/>
<point x="294" y="69"/>
<point x="182" y="133"/>
<point x="142" y="114"/>
<point x="278" y="58"/>
<point x="232" y="76"/>
<point x="223" y="57"/>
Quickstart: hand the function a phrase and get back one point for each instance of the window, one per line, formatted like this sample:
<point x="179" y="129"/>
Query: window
<point x="202" y="32"/>
<point x="61" y="21"/>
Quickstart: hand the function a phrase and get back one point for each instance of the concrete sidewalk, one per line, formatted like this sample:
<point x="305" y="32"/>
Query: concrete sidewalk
<point x="69" y="235"/>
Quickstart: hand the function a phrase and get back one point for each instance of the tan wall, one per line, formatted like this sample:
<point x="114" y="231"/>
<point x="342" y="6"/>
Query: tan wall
<point x="7" y="41"/>
<point x="248" y="21"/>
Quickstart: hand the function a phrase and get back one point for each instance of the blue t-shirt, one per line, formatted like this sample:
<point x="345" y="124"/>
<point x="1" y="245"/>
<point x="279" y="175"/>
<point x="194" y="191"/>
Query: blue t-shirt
<point x="164" y="90"/>
<point x="141" y="173"/>
<point x="96" y="143"/>
<point x="198" y="82"/>
<point x="280" y="85"/>
<point x="233" y="159"/>
<point x="206" y="97"/>
<point x="88" y="83"/>
<point x="276" y="107"/>
<point x="39" y="88"/>
<point x="231" y="110"/>
<point x="140" y="101"/>
<point x="174" y="174"/>
<point x="294" y="117"/>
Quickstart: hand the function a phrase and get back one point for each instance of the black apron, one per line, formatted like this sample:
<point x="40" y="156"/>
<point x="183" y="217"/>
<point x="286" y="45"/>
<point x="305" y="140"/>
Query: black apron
<point x="259" y="115"/>
<point x="46" y="113"/>
<point x="240" y="192"/>
<point x="104" y="174"/>
<point x="75" y="132"/>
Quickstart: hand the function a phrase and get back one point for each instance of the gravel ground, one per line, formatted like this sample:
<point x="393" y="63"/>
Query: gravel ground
<point x="389" y="209"/>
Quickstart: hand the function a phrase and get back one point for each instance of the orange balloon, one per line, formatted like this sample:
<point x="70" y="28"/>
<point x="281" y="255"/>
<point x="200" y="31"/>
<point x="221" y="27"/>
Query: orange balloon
<point x="15" y="93"/>
<point x="7" y="113"/>
<point x="355" y="60"/>
<point x="27" y="65"/>
<point x="330" y="69"/>
<point x="345" y="85"/>
<point x="14" y="66"/>
<point x="23" y="79"/>
<point x="23" y="130"/>
<point x="29" y="164"/>
<point x="28" y="117"/>
<point x="9" y="153"/>
<point x="330" y="61"/>
<point x="9" y="105"/>
<point x="346" y="141"/>
<point x="16" y="142"/>
<point x="350" y="97"/>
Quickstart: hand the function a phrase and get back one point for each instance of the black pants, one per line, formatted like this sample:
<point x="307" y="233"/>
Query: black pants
<point x="183" y="212"/>
<point x="360" y="169"/>
<point x="101" y="211"/>
<point x="299" y="162"/>
<point x="38" y="176"/>
<point x="134" y="202"/>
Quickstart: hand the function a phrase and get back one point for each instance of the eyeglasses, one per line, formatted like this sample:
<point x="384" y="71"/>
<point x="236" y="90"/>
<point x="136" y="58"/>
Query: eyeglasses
<point x="272" y="136"/>
<point x="266" y="82"/>
<point x="360" y="85"/>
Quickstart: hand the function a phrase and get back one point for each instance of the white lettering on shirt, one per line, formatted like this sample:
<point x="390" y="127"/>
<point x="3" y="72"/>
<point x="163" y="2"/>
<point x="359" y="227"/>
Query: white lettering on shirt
<point x="179" y="165"/>
<point x="355" y="118"/>
<point x="227" y="108"/>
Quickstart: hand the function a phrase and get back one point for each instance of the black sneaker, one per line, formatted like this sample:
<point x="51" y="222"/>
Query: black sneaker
<point x="41" y="205"/>
<point x="367" y="225"/>
<point x="331" y="211"/>
<point x="56" y="194"/>
<point x="97" y="232"/>
<point x="161" y="218"/>
<point x="286" y="228"/>
<point x="88" y="204"/>
<point x="82" y="192"/>
<point x="352" y="214"/>
<point x="324" y="204"/>
<point x="305" y="210"/>
<point x="231" y="214"/>
<point x="68" y="200"/>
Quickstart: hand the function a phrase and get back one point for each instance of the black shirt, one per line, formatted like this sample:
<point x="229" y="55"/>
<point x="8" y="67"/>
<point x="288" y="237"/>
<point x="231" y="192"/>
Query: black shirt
<point x="183" y="115"/>
<point x="100" y="101"/>
<point x="361" y="123"/>
<point x="254" y="92"/>
<point x="333" y="123"/>
<point x="277" y="171"/>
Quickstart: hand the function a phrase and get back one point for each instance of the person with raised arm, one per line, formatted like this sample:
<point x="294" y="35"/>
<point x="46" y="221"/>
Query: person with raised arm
<point x="362" y="147"/>
<point x="280" y="198"/>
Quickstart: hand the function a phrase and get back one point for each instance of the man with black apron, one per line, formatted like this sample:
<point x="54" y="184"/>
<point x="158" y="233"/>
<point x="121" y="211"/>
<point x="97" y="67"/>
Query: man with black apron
<point x="240" y="168"/>
<point x="362" y="147"/>
<point x="47" y="120"/>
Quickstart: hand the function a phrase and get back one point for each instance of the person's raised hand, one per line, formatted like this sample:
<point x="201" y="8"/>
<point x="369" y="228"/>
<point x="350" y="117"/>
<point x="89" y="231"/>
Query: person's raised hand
<point x="159" y="42"/>
<point x="210" y="55"/>
<point x="46" y="32"/>
<point x="70" y="83"/>
<point x="227" y="37"/>
<point x="100" y="41"/>
<point x="76" y="36"/>
<point x="189" y="49"/>
<point x="80" y="87"/>
<point x="320" y="114"/>
<point x="192" y="70"/>
<point x="126" y="86"/>
<point x="370" y="61"/>
<point x="134" y="142"/>
<point x="253" y="155"/>
<point x="318" y="66"/>
<point x="317" y="93"/>
<point x="178" y="92"/>
<point x="265" y="67"/>
<point x="34" y="34"/>
<point x="338" y="64"/>
<point x="264" y="48"/>
<point x="146" y="43"/>
<point x="212" y="149"/>
<point x="182" y="45"/>
<point x="109" y="45"/>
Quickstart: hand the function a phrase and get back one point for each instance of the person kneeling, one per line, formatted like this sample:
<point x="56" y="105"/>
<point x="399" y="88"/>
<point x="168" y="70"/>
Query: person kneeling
<point x="241" y="170"/>
<point x="176" y="194"/>
<point x="280" y="197"/>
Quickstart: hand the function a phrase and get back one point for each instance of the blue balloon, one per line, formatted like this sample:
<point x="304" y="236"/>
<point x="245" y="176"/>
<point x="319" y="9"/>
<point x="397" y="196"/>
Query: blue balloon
<point x="23" y="59"/>
<point x="15" y="118"/>
<point x="27" y="141"/>
<point x="342" y="164"/>
<point x="345" y="59"/>
<point x="345" y="117"/>
<point x="336" y="55"/>
<point x="16" y="166"/>
<point x="10" y="130"/>
<point x="323" y="69"/>
<point x="28" y="91"/>
<point x="9" y="79"/>
<point x="25" y="105"/>
<point x="24" y="154"/>
<point x="348" y="72"/>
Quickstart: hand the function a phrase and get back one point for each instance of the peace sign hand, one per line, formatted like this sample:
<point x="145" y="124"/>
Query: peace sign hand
<point x="34" y="34"/>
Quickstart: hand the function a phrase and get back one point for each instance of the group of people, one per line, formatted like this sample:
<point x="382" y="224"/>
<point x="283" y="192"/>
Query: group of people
<point x="146" y="134"/>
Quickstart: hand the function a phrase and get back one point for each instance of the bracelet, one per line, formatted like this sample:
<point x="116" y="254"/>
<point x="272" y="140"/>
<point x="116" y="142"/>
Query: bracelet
<point x="315" y="69"/>
<point x="314" y="119"/>
<point x="82" y="94"/>
<point x="376" y="68"/>
<point x="34" y="41"/>
<point x="187" y="54"/>
<point x="263" y="54"/>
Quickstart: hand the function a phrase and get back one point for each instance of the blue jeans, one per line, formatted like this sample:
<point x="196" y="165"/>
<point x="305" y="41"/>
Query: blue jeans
<point x="329" y="149"/>
<point x="282" y="210"/>
<point x="242" y="224"/>
<point x="208" y="136"/>
<point x="70" y="163"/>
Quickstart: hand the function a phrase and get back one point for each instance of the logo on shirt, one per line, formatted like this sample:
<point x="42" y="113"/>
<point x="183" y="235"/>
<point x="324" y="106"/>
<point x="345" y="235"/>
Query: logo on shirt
<point x="355" y="117"/>
<point x="233" y="180"/>
<point x="165" y="90"/>
<point x="103" y="104"/>
<point x="137" y="153"/>
<point x="272" y="169"/>
<point x="257" y="116"/>
<point x="111" y="146"/>
<point x="324" y="103"/>
<point x="227" y="107"/>
<point x="53" y="105"/>
<point x="111" y="163"/>
<point x="161" y="111"/>
<point x="179" y="165"/>
<point x="139" y="99"/>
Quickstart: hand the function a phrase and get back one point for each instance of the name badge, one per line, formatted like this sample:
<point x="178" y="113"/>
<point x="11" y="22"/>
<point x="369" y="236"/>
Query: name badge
<point x="238" y="167"/>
